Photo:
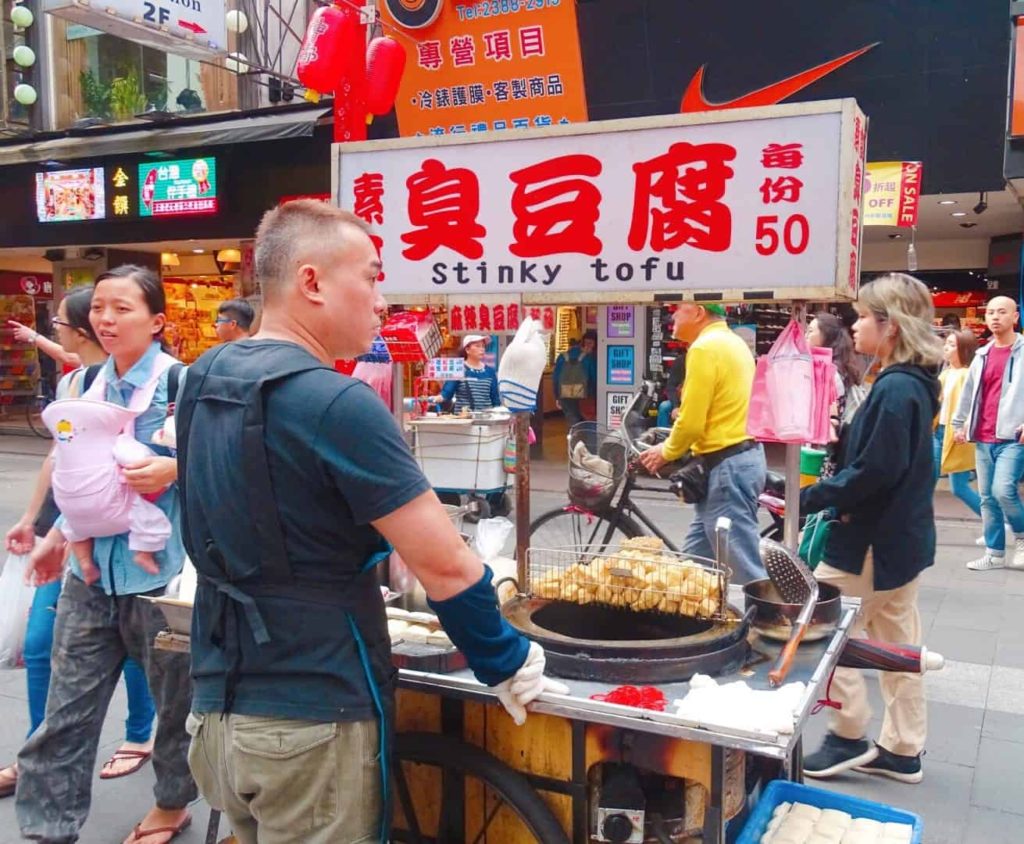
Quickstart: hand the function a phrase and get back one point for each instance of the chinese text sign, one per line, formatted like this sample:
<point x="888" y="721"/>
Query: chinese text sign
<point x="487" y="66"/>
<point x="178" y="188"/>
<point x="892" y="191"/>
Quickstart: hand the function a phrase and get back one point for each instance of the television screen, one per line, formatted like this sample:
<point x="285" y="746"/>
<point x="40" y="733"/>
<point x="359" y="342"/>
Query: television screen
<point x="178" y="188"/>
<point x="69" y="195"/>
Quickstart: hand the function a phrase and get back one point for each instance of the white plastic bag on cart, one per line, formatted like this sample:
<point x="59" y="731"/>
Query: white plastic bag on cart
<point x="182" y="586"/>
<point x="489" y="542"/>
<point x="15" y="601"/>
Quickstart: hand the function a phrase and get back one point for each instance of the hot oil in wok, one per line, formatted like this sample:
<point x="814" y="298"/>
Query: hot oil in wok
<point x="614" y="624"/>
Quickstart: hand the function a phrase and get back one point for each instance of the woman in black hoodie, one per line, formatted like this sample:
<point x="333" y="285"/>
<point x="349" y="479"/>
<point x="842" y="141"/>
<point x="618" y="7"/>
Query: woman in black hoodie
<point x="885" y="536"/>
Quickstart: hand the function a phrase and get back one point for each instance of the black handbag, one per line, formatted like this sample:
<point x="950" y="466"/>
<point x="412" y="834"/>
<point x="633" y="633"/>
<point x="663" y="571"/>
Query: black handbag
<point x="690" y="482"/>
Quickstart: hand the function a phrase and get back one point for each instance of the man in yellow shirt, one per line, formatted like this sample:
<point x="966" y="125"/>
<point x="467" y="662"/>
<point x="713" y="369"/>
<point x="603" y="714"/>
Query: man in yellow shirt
<point x="712" y="423"/>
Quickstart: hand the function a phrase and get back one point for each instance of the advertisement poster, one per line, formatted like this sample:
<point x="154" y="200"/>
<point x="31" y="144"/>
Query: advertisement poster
<point x="70" y="195"/>
<point x="488" y="66"/>
<point x="892" y="191"/>
<point x="620" y="322"/>
<point x="617" y="404"/>
<point x="178" y="188"/>
<point x="620" y="365"/>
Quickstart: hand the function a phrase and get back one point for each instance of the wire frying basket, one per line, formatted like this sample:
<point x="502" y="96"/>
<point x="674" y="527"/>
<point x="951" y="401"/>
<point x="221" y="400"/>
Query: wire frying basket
<point x="642" y="576"/>
<point x="598" y="458"/>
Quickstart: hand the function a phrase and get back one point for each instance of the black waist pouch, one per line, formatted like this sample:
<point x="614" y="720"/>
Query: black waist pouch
<point x="690" y="482"/>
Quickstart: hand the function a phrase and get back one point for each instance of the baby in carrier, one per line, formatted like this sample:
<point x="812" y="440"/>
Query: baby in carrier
<point x="93" y="440"/>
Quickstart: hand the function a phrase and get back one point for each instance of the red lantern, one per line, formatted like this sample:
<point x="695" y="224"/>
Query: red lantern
<point x="385" y="62"/>
<point x="332" y="50"/>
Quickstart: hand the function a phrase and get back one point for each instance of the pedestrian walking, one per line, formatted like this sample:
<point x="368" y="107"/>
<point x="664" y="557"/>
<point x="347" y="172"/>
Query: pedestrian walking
<point x="98" y="626"/>
<point x="712" y="424"/>
<point x="574" y="379"/>
<point x="293" y="477"/>
<point x="991" y="415"/>
<point x="234" y="320"/>
<point x="956" y="460"/>
<point x="885" y="534"/>
<point x="76" y="337"/>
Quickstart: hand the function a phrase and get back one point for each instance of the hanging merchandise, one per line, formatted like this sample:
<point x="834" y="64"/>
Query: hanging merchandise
<point x="385" y="63"/>
<point x="782" y="400"/>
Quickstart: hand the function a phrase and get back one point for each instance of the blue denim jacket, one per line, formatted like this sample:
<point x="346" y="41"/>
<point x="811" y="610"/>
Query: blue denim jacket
<point x="118" y="573"/>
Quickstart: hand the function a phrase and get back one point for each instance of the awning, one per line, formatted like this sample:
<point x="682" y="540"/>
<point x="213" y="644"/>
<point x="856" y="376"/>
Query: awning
<point x="165" y="136"/>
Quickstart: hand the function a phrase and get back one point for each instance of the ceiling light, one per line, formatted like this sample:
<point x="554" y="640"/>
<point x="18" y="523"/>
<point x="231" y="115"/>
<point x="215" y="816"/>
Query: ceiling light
<point x="947" y="202"/>
<point x="958" y="214"/>
<point x="982" y="205"/>
<point x="229" y="256"/>
<point x="169" y="259"/>
<point x="198" y="251"/>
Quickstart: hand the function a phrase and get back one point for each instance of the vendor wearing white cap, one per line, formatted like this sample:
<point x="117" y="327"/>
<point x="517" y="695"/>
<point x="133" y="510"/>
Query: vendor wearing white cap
<point x="479" y="390"/>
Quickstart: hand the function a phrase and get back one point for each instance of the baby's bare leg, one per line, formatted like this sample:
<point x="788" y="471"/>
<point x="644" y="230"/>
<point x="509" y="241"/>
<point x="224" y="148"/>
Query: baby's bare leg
<point x="82" y="549"/>
<point x="146" y="561"/>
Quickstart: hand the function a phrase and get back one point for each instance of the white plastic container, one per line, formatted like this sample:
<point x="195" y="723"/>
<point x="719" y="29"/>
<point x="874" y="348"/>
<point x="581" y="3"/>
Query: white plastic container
<point x="461" y="454"/>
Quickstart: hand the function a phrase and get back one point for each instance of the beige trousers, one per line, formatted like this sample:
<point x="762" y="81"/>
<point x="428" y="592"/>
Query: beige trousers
<point x="281" y="781"/>
<point x="889" y="616"/>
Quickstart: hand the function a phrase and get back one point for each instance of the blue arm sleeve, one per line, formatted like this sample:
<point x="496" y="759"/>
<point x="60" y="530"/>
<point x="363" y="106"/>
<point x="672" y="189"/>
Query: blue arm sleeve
<point x="556" y="374"/>
<point x="448" y="390"/>
<point x="493" y="649"/>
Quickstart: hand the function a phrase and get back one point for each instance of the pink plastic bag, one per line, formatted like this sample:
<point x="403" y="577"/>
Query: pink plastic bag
<point x="782" y="400"/>
<point x="824" y="395"/>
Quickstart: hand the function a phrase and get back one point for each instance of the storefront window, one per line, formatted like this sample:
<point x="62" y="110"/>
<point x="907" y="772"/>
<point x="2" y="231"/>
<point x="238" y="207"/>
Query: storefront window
<point x="105" y="79"/>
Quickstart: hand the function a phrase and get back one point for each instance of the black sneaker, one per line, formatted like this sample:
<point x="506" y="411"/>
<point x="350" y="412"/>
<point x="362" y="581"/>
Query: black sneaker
<point x="894" y="766"/>
<point x="837" y="755"/>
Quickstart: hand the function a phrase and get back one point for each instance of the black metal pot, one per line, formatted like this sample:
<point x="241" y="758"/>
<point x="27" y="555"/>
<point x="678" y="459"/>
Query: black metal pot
<point x="774" y="618"/>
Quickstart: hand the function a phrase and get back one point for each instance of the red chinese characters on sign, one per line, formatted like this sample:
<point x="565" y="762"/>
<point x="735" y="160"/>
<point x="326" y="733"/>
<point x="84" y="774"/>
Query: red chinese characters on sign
<point x="782" y="156"/>
<point x="428" y="55"/>
<point x="531" y="41"/>
<point x="498" y="318"/>
<point x="771" y="232"/>
<point x="556" y="208"/>
<point x="781" y="189"/>
<point x="443" y="204"/>
<point x="677" y="199"/>
<point x="368" y="205"/>
<point x="498" y="45"/>
<point x="463" y="50"/>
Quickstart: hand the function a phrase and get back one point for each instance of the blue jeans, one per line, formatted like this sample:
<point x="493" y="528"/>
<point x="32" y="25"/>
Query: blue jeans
<point x="733" y="488"/>
<point x="959" y="482"/>
<point x="38" y="644"/>
<point x="665" y="414"/>
<point x="1000" y="467"/>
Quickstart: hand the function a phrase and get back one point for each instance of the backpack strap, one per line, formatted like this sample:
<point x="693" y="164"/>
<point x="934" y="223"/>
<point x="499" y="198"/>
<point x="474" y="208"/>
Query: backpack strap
<point x="89" y="376"/>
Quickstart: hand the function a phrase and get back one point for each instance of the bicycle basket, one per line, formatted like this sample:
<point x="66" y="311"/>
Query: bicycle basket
<point x="597" y="464"/>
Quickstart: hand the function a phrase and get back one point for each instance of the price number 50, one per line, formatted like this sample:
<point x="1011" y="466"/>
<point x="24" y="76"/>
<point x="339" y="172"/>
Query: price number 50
<point x="792" y="234"/>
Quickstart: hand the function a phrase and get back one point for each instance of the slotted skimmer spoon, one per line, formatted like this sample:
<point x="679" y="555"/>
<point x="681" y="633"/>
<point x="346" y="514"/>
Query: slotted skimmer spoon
<point x="796" y="585"/>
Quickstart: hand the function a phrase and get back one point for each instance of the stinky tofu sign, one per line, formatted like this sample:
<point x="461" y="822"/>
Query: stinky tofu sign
<point x="752" y="204"/>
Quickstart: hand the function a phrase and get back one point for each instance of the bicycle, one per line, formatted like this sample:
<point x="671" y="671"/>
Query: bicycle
<point x="601" y="511"/>
<point x="34" y="409"/>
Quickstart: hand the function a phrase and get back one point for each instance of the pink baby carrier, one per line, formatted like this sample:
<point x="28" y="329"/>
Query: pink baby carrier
<point x="87" y="483"/>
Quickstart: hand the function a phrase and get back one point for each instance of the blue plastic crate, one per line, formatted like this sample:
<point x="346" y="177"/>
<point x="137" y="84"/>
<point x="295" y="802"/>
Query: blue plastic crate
<point x="781" y="791"/>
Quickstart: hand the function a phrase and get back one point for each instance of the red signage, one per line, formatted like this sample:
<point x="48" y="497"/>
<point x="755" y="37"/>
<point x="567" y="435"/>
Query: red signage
<point x="39" y="285"/>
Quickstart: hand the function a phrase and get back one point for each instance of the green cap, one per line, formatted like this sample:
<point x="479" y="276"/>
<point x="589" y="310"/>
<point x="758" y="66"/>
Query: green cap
<point x="718" y="310"/>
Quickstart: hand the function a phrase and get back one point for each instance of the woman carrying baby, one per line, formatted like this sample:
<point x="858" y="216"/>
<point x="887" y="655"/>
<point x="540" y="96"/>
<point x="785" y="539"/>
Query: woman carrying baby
<point x="100" y="624"/>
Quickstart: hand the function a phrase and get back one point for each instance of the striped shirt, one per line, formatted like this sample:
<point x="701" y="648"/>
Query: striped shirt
<point x="479" y="390"/>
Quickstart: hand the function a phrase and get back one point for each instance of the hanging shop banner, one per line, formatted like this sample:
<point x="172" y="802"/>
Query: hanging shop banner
<point x="620" y="322"/>
<point x="892" y="193"/>
<point x="617" y="404"/>
<point x="488" y="66"/>
<point x="716" y="206"/>
<point x="620" y="365"/>
<point x="178" y="188"/>
<point x="967" y="299"/>
<point x="1017" y="86"/>
<point x="497" y="317"/>
<point x="37" y="285"/>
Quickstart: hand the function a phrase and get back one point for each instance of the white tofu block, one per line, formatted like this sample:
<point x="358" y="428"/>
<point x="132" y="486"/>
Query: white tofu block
<point x="440" y="638"/>
<point x="768" y="838"/>
<point x="898" y="832"/>
<point x="833" y="832"/>
<point x="800" y="828"/>
<point x="782" y="809"/>
<point x="834" y="816"/>
<point x="802" y="810"/>
<point x="417" y="633"/>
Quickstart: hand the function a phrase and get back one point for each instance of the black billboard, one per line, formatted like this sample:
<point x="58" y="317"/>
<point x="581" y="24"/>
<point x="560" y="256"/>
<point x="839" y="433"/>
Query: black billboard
<point x="934" y="84"/>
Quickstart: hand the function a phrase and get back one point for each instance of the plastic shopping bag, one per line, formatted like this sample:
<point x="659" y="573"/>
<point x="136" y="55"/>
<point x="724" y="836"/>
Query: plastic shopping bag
<point x="825" y="396"/>
<point x="15" y="602"/>
<point x="782" y="400"/>
<point x="489" y="542"/>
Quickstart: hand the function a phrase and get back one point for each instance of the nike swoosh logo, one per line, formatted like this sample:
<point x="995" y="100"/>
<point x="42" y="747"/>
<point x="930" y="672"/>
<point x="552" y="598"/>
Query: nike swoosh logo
<point x="694" y="99"/>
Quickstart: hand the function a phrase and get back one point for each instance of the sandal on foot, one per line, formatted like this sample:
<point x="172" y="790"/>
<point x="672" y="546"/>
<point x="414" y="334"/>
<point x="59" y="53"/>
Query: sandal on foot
<point x="8" y="780"/>
<point x="140" y="834"/>
<point x="137" y="757"/>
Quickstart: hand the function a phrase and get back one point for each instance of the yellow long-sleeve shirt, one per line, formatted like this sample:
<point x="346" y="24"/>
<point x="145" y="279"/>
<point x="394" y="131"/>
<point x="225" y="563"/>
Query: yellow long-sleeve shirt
<point x="716" y="394"/>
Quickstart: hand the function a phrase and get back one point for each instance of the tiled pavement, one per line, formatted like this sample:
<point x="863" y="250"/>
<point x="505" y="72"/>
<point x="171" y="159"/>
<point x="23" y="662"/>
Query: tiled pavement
<point x="973" y="791"/>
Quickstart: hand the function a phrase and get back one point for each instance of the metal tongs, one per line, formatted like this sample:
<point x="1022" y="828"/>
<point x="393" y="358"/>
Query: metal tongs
<point x="796" y="585"/>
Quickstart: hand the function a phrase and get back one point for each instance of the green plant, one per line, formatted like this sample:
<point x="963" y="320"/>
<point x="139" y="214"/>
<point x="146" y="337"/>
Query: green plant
<point x="126" y="97"/>
<point x="95" y="95"/>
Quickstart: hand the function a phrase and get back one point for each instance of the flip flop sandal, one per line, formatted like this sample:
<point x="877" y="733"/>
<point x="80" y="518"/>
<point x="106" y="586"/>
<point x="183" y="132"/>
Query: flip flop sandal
<point x="140" y="758"/>
<point x="139" y="834"/>
<point x="8" y="782"/>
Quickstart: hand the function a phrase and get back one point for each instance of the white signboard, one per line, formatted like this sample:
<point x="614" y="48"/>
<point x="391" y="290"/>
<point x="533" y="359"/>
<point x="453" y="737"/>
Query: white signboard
<point x="187" y="27"/>
<point x="751" y="204"/>
<point x="617" y="404"/>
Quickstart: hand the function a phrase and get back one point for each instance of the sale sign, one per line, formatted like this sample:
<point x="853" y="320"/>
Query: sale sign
<point x="755" y="208"/>
<point x="892" y="192"/>
<point x="178" y="188"/>
<point x="483" y="66"/>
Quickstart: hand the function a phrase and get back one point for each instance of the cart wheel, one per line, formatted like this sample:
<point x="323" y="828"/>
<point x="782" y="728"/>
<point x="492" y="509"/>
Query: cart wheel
<point x="481" y="509"/>
<point x="449" y="791"/>
<point x="452" y="498"/>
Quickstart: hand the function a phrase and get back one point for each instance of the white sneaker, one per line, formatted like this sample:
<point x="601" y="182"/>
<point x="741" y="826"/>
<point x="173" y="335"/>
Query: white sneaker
<point x="980" y="541"/>
<point x="987" y="562"/>
<point x="1017" y="561"/>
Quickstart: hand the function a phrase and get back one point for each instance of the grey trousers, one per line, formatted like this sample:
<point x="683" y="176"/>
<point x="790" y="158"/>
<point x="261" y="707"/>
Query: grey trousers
<point x="93" y="634"/>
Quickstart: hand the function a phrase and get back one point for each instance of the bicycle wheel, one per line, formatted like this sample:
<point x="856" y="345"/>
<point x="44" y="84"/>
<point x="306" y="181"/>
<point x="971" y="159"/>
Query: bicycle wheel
<point x="470" y="796"/>
<point x="34" y="416"/>
<point x="596" y="533"/>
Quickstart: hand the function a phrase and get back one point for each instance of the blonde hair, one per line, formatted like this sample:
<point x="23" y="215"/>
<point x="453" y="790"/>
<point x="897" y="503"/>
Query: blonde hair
<point x="287" y="232"/>
<point x="905" y="303"/>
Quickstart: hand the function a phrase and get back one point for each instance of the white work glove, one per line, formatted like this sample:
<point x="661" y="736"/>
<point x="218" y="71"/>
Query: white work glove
<point x="522" y="367"/>
<point x="526" y="685"/>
